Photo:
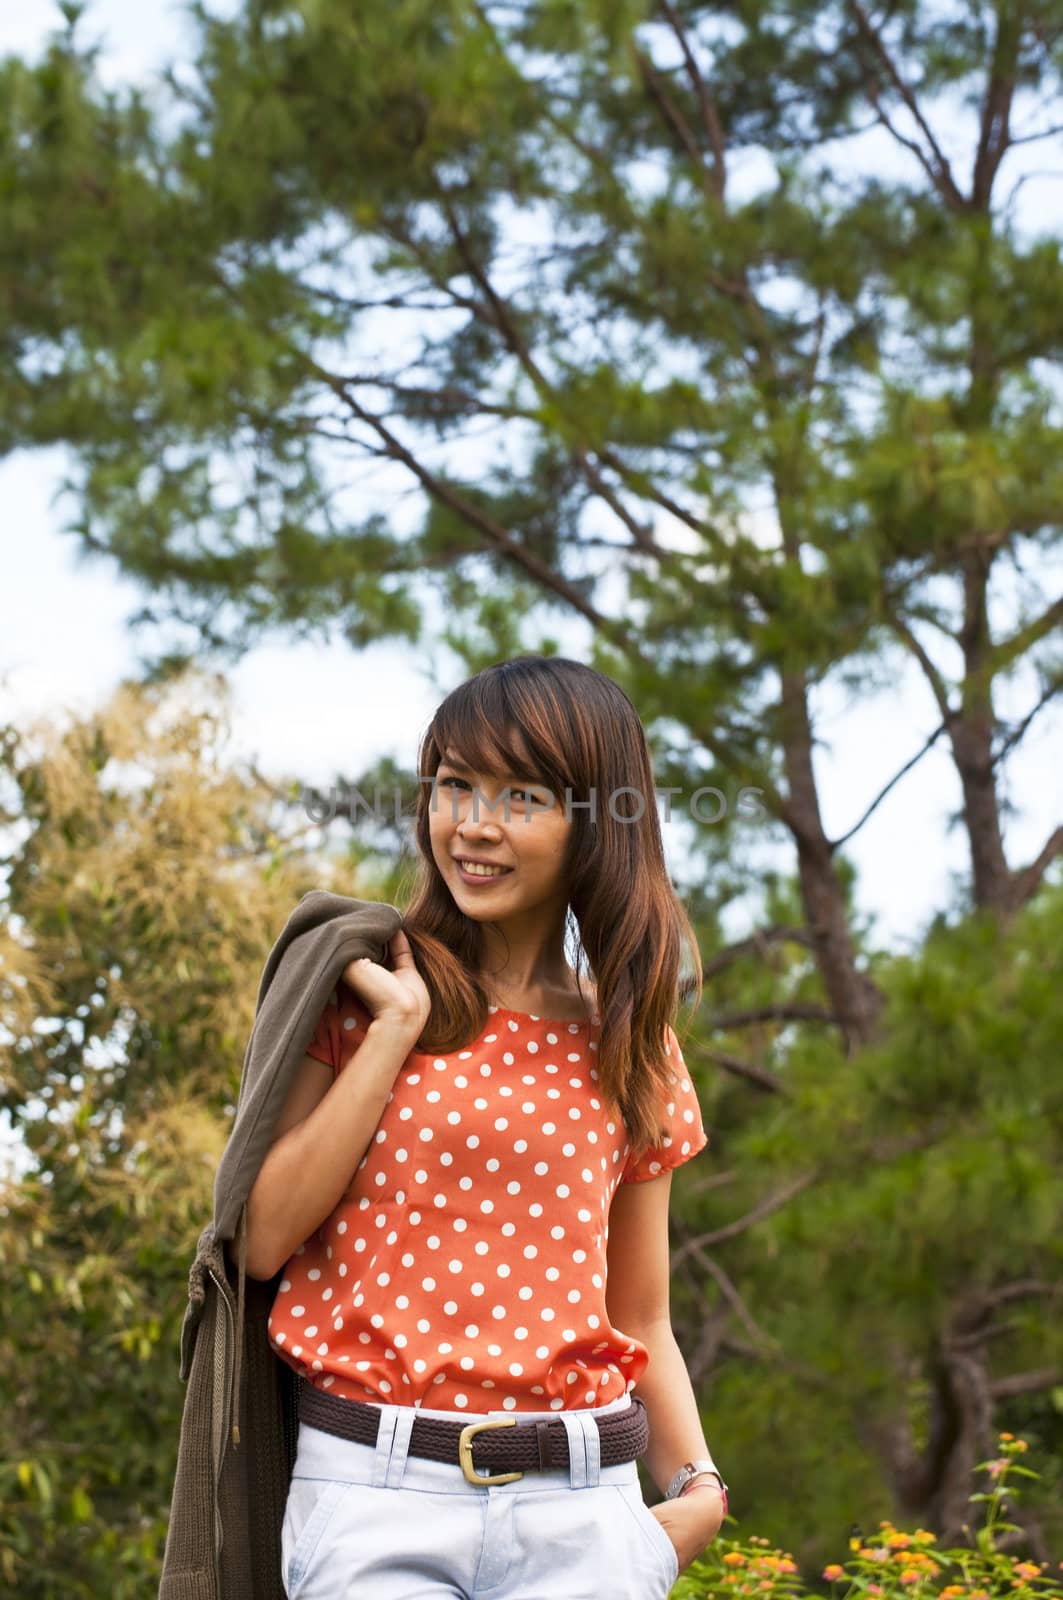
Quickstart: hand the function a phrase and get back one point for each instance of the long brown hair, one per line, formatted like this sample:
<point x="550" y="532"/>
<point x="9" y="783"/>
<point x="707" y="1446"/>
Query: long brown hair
<point x="582" y="733"/>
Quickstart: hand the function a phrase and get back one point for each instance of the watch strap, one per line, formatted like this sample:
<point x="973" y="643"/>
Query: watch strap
<point x="688" y="1472"/>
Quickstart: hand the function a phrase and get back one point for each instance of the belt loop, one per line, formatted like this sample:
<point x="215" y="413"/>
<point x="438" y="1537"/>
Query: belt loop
<point x="578" y="1464"/>
<point x="544" y="1441"/>
<point x="385" y="1435"/>
<point x="400" y="1447"/>
<point x="593" y="1440"/>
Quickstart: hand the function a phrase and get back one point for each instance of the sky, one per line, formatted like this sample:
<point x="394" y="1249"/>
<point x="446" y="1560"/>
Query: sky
<point x="65" y="642"/>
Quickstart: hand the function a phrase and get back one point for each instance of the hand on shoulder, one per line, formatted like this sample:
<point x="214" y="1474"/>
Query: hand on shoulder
<point x="392" y="993"/>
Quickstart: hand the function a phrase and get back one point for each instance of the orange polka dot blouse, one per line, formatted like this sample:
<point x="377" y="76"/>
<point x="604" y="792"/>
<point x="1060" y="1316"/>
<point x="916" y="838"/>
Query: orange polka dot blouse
<point x="465" y="1266"/>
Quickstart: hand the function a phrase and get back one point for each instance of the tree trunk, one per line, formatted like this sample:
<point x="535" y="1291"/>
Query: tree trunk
<point x="971" y="735"/>
<point x="855" y="1000"/>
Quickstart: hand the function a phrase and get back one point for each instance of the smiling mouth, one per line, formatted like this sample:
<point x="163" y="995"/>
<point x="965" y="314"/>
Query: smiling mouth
<point x="476" y="870"/>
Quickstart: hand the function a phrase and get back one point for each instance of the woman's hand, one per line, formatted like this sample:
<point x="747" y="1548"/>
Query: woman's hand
<point x="394" y="993"/>
<point x="691" y="1521"/>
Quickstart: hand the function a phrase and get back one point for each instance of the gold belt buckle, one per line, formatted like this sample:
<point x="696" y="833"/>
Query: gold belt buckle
<point x="465" y="1451"/>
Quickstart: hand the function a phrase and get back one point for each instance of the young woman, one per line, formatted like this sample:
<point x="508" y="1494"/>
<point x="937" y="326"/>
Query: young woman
<point x="495" y="1248"/>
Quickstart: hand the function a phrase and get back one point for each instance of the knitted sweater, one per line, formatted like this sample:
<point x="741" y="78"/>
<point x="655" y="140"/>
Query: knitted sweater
<point x="239" y="1428"/>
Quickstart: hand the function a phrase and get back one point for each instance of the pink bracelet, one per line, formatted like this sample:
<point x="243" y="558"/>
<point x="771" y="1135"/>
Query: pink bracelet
<point x="699" y="1483"/>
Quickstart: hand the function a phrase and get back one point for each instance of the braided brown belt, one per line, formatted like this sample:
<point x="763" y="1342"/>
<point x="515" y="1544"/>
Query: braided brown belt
<point x="519" y="1447"/>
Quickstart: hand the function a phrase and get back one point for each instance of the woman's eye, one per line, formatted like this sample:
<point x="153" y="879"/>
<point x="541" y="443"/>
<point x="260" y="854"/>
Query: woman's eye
<point x="521" y="794"/>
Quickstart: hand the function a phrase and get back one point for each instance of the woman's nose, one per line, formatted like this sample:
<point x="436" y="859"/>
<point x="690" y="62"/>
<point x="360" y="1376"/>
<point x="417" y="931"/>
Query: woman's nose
<point x="477" y="812"/>
<point x="480" y="828"/>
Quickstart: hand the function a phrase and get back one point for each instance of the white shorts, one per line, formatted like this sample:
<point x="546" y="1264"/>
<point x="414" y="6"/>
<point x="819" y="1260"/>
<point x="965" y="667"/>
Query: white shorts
<point x="372" y="1521"/>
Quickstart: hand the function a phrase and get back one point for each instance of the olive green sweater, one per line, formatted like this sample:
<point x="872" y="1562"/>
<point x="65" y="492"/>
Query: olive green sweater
<point x="239" y="1427"/>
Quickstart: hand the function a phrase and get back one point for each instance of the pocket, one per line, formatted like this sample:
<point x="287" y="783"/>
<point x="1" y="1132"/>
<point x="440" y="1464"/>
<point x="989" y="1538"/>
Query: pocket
<point x="631" y="1494"/>
<point x="307" y="1512"/>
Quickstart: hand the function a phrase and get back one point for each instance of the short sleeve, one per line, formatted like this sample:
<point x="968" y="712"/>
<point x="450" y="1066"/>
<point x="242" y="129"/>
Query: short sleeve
<point x="686" y="1134"/>
<point x="341" y="1028"/>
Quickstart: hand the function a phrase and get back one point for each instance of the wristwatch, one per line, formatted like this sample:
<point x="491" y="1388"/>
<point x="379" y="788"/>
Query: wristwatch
<point x="695" y="1469"/>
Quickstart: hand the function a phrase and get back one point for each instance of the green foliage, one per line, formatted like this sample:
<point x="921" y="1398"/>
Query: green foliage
<point x="891" y="1562"/>
<point x="757" y="437"/>
<point x="142" y="894"/>
<point x="919" y="1240"/>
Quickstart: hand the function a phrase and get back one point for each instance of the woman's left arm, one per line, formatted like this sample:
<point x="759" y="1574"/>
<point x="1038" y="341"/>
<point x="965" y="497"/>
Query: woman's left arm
<point x="694" y="1519"/>
<point x="637" y="1300"/>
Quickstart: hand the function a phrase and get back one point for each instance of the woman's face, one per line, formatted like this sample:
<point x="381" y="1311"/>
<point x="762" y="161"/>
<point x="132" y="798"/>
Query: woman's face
<point x="469" y="816"/>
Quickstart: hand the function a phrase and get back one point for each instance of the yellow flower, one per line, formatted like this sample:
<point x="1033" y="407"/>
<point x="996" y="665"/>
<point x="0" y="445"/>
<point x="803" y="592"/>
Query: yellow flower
<point x="898" y="1541"/>
<point x="833" y="1572"/>
<point x="911" y="1575"/>
<point x="1027" y="1569"/>
<point x="734" y="1558"/>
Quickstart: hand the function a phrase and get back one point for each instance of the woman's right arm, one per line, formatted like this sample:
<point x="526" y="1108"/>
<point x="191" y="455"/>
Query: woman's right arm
<point x="324" y="1131"/>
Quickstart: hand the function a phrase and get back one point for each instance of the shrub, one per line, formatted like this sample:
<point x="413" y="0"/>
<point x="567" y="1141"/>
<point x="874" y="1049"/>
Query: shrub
<point x="893" y="1564"/>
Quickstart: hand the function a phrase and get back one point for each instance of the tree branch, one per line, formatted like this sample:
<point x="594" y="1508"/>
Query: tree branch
<point x="1032" y="138"/>
<point x="778" y="1011"/>
<point x="994" y="135"/>
<point x="1008" y="650"/>
<point x="671" y="115"/>
<point x="640" y="480"/>
<point x="732" y="1230"/>
<point x="836" y="844"/>
<point x="1027" y="880"/>
<point x="516" y="344"/>
<point x="756" y="944"/>
<point x="758" y="1076"/>
<point x="502" y="540"/>
<point x="937" y="169"/>
<point x="710" y="119"/>
<point x="727" y="1288"/>
<point x="1053" y="686"/>
<point x="937" y="683"/>
<point x="1025" y="1383"/>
